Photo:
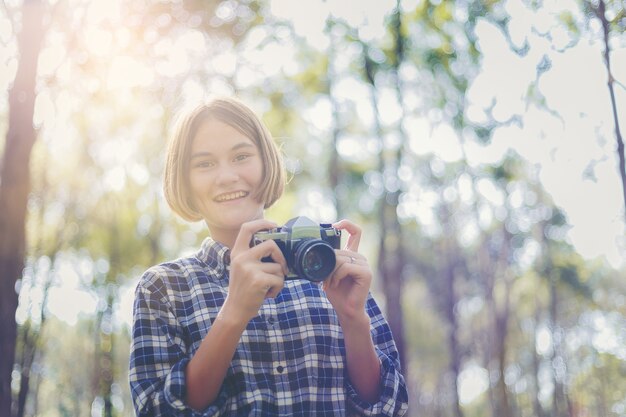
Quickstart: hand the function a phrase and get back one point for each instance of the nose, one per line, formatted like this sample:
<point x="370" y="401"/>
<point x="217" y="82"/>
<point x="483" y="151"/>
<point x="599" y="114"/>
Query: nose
<point x="226" y="175"/>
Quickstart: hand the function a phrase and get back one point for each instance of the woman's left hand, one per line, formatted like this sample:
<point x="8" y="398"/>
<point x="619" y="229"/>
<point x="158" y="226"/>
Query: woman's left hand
<point x="348" y="285"/>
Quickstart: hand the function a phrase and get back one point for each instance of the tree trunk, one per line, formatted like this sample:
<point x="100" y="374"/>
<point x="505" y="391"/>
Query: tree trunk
<point x="26" y="362"/>
<point x="450" y="302"/>
<point x="396" y="268"/>
<point x="559" y="397"/>
<point x="537" y="407"/>
<point x="391" y="257"/>
<point x="15" y="187"/>
<point x="335" y="171"/>
<point x="501" y="326"/>
<point x="31" y="347"/>
<point x="31" y="333"/>
<point x="106" y="361"/>
<point x="501" y="330"/>
<point x="391" y="262"/>
<point x="601" y="14"/>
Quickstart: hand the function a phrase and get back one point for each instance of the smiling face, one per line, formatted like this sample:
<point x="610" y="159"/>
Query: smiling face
<point x="237" y="181"/>
<point x="225" y="173"/>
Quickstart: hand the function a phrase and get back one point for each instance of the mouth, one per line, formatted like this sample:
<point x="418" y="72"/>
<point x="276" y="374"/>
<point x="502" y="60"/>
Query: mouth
<point x="231" y="196"/>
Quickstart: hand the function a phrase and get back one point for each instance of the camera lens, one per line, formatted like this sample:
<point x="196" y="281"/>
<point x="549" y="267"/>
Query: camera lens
<point x="314" y="260"/>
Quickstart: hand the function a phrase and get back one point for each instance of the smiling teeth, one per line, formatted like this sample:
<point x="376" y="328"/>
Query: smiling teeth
<point x="231" y="196"/>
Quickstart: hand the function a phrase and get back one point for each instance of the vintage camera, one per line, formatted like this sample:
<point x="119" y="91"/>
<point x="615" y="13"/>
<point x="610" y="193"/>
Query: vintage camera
<point x="308" y="247"/>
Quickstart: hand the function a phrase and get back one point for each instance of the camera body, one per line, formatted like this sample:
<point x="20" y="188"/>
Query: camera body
<point x="308" y="247"/>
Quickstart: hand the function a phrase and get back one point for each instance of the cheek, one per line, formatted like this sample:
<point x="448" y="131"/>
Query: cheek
<point x="197" y="183"/>
<point x="255" y="174"/>
<point x="193" y="182"/>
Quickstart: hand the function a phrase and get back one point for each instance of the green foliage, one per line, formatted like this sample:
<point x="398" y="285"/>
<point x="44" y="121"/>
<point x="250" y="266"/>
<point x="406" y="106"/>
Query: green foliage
<point x="488" y="263"/>
<point x="570" y="272"/>
<point x="509" y="170"/>
<point x="312" y="80"/>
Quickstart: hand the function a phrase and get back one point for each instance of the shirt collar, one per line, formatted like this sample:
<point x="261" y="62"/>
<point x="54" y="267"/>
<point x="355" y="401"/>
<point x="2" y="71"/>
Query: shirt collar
<point x="215" y="255"/>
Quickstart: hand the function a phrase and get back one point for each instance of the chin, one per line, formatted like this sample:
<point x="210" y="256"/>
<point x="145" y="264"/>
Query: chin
<point x="235" y="221"/>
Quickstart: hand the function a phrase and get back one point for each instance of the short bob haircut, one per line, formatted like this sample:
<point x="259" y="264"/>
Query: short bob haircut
<point x="236" y="114"/>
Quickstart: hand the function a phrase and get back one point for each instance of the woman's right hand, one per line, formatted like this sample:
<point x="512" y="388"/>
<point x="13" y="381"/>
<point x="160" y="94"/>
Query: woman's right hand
<point x="251" y="279"/>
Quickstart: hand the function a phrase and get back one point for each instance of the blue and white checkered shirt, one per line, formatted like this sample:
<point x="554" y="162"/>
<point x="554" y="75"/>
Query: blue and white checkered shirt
<point x="290" y="360"/>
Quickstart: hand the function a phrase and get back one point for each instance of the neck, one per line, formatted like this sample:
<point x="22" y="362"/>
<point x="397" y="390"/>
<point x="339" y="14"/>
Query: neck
<point x="226" y="233"/>
<point x="225" y="237"/>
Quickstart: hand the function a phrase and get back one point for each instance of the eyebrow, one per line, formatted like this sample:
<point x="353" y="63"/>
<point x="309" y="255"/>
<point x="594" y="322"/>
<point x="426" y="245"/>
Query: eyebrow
<point x="240" y="145"/>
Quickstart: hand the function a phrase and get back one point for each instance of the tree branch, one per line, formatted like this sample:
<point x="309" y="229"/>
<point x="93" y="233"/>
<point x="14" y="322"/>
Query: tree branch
<point x="600" y="13"/>
<point x="619" y="83"/>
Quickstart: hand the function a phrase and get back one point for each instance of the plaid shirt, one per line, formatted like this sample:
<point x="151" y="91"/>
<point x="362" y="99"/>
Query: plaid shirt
<point x="290" y="359"/>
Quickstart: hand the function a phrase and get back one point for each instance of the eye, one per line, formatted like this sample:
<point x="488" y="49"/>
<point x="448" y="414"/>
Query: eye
<point x="242" y="157"/>
<point x="204" y="164"/>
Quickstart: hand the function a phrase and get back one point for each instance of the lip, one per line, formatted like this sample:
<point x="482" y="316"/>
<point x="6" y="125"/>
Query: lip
<point x="231" y="196"/>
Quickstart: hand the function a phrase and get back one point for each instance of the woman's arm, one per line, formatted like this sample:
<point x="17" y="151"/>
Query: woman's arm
<point x="206" y="371"/>
<point x="347" y="289"/>
<point x="376" y="386"/>
<point x="361" y="358"/>
<point x="251" y="281"/>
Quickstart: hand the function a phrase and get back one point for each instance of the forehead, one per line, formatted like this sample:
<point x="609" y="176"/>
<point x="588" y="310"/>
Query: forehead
<point x="214" y="135"/>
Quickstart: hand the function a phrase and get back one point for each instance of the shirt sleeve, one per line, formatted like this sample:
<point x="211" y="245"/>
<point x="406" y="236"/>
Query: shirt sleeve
<point x="158" y="355"/>
<point x="394" y="400"/>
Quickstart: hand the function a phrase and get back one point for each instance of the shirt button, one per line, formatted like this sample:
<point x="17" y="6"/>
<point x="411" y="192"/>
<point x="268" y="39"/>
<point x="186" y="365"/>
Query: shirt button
<point x="271" y="321"/>
<point x="280" y="369"/>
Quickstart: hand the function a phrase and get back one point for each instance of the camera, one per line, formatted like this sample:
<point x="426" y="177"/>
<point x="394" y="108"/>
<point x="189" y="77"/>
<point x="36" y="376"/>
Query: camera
<point x="308" y="247"/>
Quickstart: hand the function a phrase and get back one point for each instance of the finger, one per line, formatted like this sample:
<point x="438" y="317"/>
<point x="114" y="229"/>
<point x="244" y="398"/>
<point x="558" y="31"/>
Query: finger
<point x="361" y="275"/>
<point x="335" y="276"/>
<point x="246" y="231"/>
<point x="269" y="249"/>
<point x="356" y="270"/>
<point x="263" y="281"/>
<point x="342" y="272"/>
<point x="274" y="291"/>
<point x="274" y="286"/>
<point x="354" y="233"/>
<point x="347" y="256"/>
<point x="272" y="268"/>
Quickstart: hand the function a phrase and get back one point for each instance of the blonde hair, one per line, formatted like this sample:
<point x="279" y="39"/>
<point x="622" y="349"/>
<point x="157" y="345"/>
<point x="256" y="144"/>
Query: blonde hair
<point x="239" y="116"/>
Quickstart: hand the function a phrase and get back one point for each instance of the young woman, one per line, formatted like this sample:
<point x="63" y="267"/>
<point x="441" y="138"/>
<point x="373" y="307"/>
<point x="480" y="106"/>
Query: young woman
<point x="221" y="332"/>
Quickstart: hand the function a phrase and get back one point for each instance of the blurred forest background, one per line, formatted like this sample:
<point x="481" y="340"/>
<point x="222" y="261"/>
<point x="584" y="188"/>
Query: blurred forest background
<point x="432" y="123"/>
